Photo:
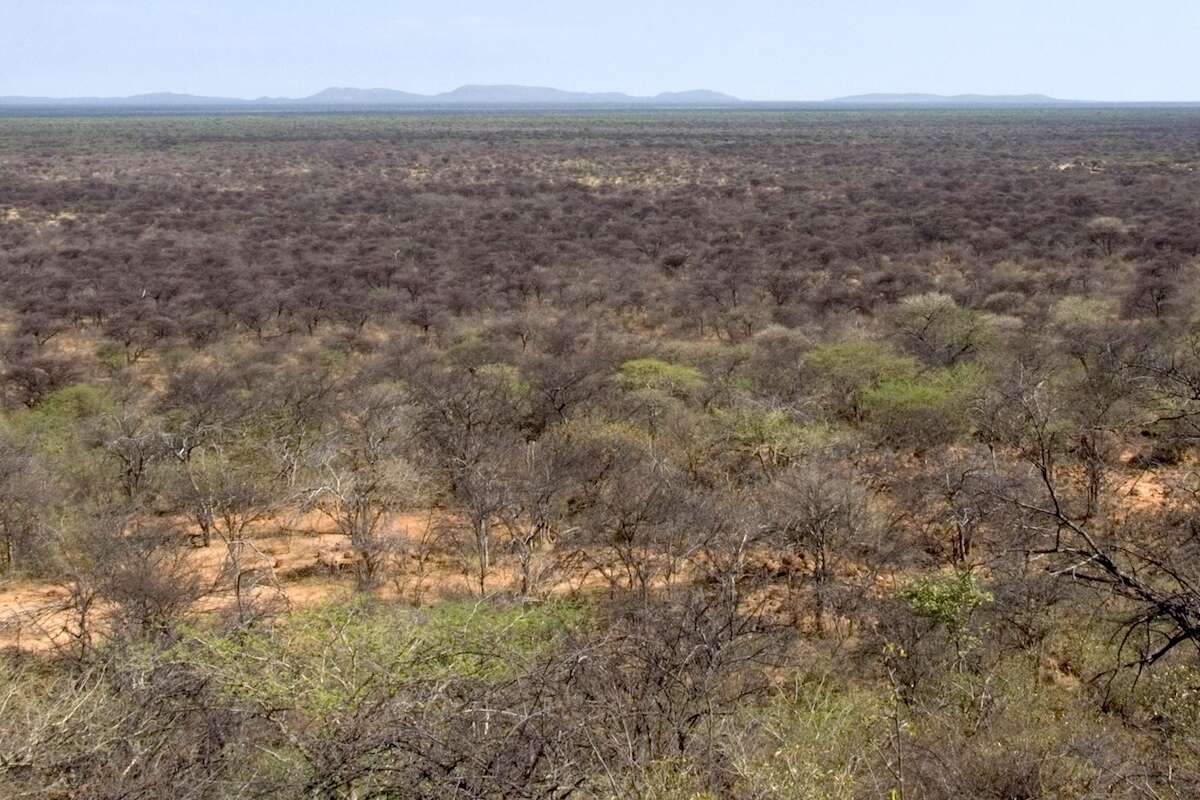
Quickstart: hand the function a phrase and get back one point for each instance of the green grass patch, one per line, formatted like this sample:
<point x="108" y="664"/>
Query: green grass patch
<point x="336" y="655"/>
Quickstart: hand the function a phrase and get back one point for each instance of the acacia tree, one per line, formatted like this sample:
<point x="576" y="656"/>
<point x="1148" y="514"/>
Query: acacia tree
<point x="540" y="483"/>
<point x="637" y="515"/>
<point x="226" y="488"/>
<point x="651" y="693"/>
<point x="824" y="519"/>
<point x="361" y="475"/>
<point x="1108" y="233"/>
<point x="138" y="331"/>
<point x="26" y="491"/>
<point x="28" y="378"/>
<point x="469" y="420"/>
<point x="482" y="491"/>
<point x="201" y="402"/>
<point x="939" y="331"/>
<point x="135" y="445"/>
<point x="136" y="573"/>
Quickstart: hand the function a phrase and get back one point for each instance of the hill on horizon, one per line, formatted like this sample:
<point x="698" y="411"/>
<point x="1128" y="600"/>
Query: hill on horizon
<point x="505" y="94"/>
<point x="522" y="95"/>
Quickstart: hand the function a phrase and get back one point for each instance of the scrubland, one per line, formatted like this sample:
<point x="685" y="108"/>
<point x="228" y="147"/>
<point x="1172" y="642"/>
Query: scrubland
<point x="587" y="455"/>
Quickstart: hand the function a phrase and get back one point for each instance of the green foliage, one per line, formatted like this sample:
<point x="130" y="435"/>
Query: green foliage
<point x="752" y="425"/>
<point x="471" y="349"/>
<point x="55" y="429"/>
<point x="606" y="439"/>
<point x="175" y="358"/>
<point x="322" y="659"/>
<point x="112" y="356"/>
<point x="57" y="416"/>
<point x="946" y="600"/>
<point x="767" y="434"/>
<point x="1171" y="696"/>
<point x="923" y="410"/>
<point x="1168" y="702"/>
<point x="1075" y="314"/>
<point x="817" y="743"/>
<point x="332" y="359"/>
<point x="845" y="371"/>
<point x="1003" y="733"/>
<point x="508" y="378"/>
<point x="770" y="436"/>
<point x="666" y="779"/>
<point x="940" y="331"/>
<point x="652" y="374"/>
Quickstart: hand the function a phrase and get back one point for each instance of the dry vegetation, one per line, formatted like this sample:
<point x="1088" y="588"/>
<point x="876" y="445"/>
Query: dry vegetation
<point x="764" y="455"/>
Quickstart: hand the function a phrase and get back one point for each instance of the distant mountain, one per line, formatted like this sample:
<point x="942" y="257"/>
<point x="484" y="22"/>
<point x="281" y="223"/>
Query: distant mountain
<point x="517" y="95"/>
<point x="546" y="95"/>
<point x="346" y="96"/>
<point x="954" y="100"/>
<point x="339" y="94"/>
<point x="156" y="99"/>
<point x="525" y="94"/>
<point x="697" y="96"/>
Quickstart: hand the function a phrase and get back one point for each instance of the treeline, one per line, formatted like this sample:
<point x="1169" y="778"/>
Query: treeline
<point x="785" y="456"/>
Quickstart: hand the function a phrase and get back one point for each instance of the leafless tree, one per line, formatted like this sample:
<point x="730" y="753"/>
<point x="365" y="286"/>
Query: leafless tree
<point x="823" y="519"/>
<point x="226" y="491"/>
<point x="27" y="493"/>
<point x="1150" y="566"/>
<point x="540" y="481"/>
<point x="361" y="477"/>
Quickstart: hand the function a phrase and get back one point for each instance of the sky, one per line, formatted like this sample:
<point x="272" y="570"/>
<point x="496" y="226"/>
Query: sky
<point x="755" y="49"/>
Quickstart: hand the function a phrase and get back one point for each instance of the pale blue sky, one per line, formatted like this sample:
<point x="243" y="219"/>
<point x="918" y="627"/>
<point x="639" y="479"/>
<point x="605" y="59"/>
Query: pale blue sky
<point x="757" y="49"/>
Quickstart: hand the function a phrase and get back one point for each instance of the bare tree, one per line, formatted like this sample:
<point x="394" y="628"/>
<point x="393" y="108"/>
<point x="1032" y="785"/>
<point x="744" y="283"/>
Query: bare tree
<point x="27" y="491"/>
<point x="654" y="689"/>
<point x="824" y="520"/>
<point x="362" y="477"/>
<point x="129" y="578"/>
<point x="469" y="421"/>
<point x="635" y="518"/>
<point x="541" y="478"/>
<point x="226" y="490"/>
<point x="1150" y="566"/>
<point x="482" y="491"/>
<point x="135" y="445"/>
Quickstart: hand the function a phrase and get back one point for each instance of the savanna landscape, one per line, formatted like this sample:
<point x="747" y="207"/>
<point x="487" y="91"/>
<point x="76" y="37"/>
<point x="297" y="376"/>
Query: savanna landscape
<point x="676" y="454"/>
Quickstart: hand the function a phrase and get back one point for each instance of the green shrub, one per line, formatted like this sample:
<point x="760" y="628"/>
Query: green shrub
<point x="1074" y="314"/>
<point x="921" y="411"/>
<point x="844" y="371"/>
<point x="507" y="379"/>
<point x="817" y="742"/>
<point x="322" y="659"/>
<point x="941" y="332"/>
<point x="769" y="436"/>
<point x="55" y="429"/>
<point x="472" y="350"/>
<point x="652" y="374"/>
<point x="949" y="602"/>
<point x="62" y="410"/>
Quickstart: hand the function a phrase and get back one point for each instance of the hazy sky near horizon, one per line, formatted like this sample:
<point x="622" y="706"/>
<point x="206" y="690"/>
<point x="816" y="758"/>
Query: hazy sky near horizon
<point x="756" y="49"/>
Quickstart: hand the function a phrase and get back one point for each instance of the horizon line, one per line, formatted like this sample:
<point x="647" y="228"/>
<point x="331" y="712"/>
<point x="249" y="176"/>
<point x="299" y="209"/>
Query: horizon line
<point x="596" y="97"/>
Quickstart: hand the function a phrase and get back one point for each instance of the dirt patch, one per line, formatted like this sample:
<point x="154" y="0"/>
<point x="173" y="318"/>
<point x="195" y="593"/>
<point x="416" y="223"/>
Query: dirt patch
<point x="297" y="561"/>
<point x="1148" y="489"/>
<point x="32" y="615"/>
